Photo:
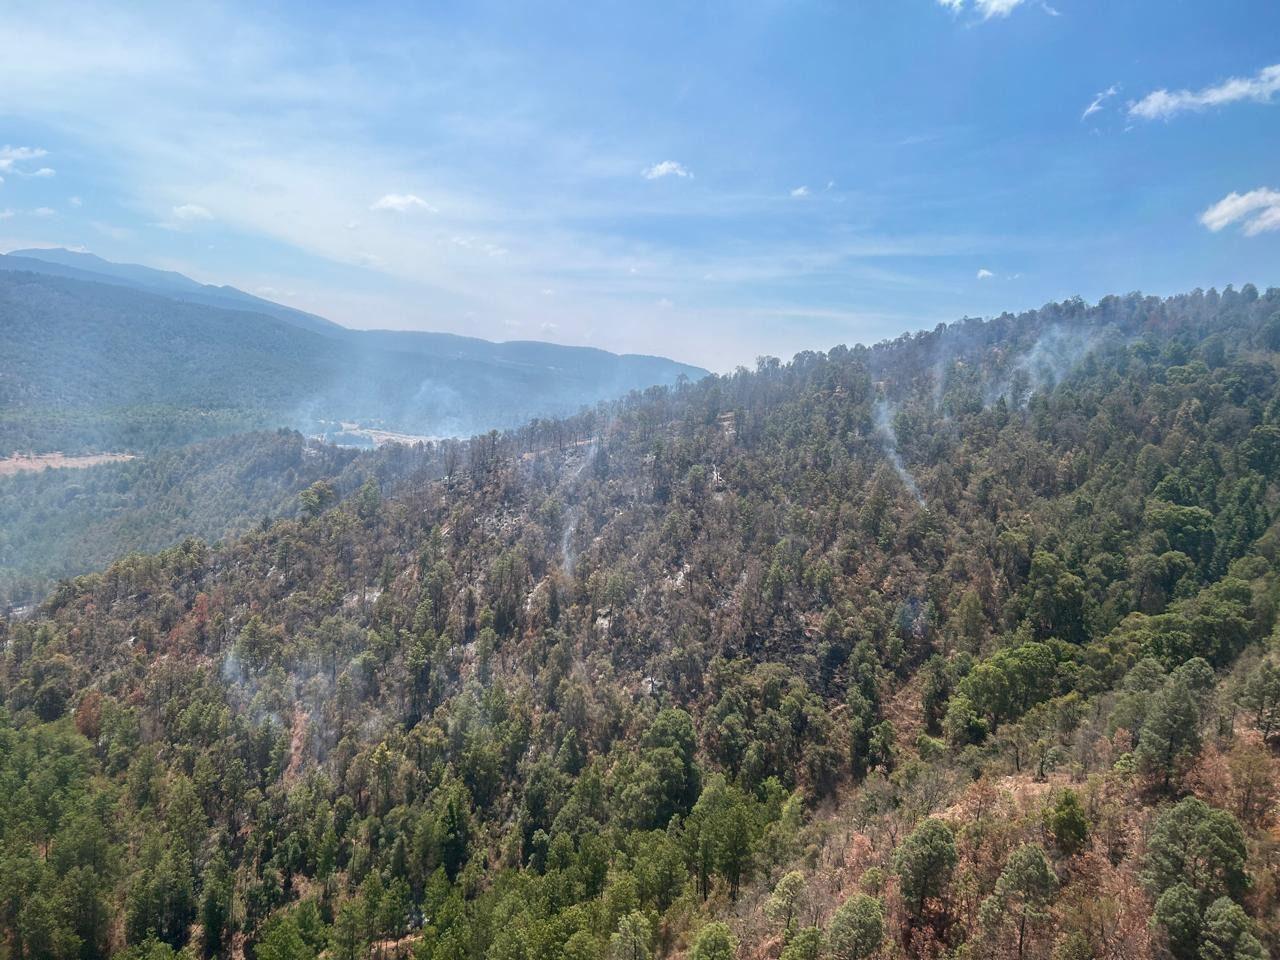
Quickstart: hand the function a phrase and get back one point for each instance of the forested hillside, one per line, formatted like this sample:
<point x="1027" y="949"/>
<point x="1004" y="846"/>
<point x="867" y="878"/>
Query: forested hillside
<point x="66" y="522"/>
<point x="166" y="283"/>
<point x="958" y="646"/>
<point x="106" y="366"/>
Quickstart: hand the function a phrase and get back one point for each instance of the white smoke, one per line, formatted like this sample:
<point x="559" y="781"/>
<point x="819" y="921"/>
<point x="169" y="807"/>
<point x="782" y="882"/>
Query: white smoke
<point x="568" y="555"/>
<point x="1058" y="352"/>
<point x="884" y="424"/>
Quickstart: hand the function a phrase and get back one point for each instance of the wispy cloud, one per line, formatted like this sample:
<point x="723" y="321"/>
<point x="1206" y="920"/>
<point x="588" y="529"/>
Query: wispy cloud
<point x="402" y="203"/>
<point x="10" y="157"/>
<point x="45" y="172"/>
<point x="1098" y="101"/>
<point x="5" y="214"/>
<point x="189" y="212"/>
<point x="1163" y="104"/>
<point x="45" y="212"/>
<point x="988" y="9"/>
<point x="667" y="168"/>
<point x="800" y="192"/>
<point x="985" y="274"/>
<point x="1259" y="210"/>
<point x="996" y="8"/>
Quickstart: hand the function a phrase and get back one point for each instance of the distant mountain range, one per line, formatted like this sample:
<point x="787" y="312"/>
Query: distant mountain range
<point x="165" y="283"/>
<point x="97" y="355"/>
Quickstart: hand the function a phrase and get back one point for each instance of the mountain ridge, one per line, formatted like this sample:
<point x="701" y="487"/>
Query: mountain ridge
<point x="168" y="283"/>
<point x="88" y="266"/>
<point x="77" y="348"/>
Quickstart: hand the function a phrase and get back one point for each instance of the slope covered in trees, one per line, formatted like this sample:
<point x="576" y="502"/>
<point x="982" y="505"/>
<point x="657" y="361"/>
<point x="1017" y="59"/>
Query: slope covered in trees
<point x="65" y="522"/>
<point x="958" y="646"/>
<point x="106" y="366"/>
<point x="76" y="265"/>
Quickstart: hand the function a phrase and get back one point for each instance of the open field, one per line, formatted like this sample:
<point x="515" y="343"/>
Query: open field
<point x="22" y="463"/>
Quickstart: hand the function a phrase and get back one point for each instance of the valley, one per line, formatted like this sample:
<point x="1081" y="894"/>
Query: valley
<point x="104" y="356"/>
<point x="347" y="433"/>
<point x="184" y="385"/>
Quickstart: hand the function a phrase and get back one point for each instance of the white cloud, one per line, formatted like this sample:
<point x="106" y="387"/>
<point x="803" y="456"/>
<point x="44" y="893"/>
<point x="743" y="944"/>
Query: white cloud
<point x="799" y="192"/>
<point x="5" y="214"/>
<point x="1267" y="220"/>
<point x="1098" y="101"/>
<point x="1259" y="210"/>
<point x="1161" y="105"/>
<point x="9" y="156"/>
<point x="667" y="168"/>
<point x="45" y="172"/>
<point x="74" y="201"/>
<point x="985" y="274"/>
<point x="402" y="203"/>
<point x="996" y="8"/>
<point x="988" y="9"/>
<point x="45" y="212"/>
<point x="192" y="211"/>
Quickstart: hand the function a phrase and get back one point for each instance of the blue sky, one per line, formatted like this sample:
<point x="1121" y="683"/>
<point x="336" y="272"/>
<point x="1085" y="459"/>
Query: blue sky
<point x="707" y="181"/>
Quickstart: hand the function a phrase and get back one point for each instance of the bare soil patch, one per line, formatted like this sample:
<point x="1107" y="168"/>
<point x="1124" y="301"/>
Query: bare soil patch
<point x="23" y="462"/>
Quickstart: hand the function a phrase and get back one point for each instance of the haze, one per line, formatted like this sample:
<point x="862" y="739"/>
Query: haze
<point x="709" y="184"/>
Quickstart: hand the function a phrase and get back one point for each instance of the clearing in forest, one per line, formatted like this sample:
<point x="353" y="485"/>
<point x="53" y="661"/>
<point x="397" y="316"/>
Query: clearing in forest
<point x="24" y="462"/>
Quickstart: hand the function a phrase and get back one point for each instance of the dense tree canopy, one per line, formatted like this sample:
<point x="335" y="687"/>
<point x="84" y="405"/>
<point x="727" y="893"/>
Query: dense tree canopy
<point x="704" y="671"/>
